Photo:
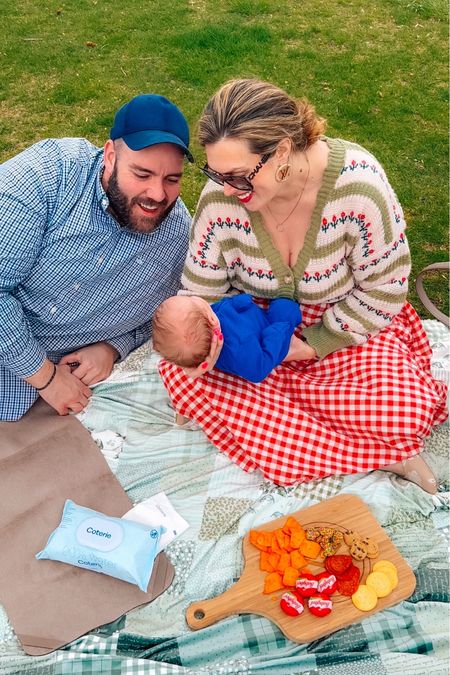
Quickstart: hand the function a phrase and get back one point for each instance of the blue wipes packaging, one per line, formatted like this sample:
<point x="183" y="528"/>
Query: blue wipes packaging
<point x="120" y="548"/>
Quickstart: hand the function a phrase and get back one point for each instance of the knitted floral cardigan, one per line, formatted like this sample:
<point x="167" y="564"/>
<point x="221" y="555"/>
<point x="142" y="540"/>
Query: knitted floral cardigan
<point x="355" y="256"/>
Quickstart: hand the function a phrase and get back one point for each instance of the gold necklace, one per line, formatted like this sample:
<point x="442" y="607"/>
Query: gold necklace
<point x="279" y="225"/>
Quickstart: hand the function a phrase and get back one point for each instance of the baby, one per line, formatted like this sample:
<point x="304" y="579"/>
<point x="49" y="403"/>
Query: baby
<point x="254" y="340"/>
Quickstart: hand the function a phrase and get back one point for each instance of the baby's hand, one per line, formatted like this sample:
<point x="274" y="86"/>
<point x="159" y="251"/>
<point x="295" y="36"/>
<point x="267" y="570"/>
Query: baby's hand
<point x="210" y="361"/>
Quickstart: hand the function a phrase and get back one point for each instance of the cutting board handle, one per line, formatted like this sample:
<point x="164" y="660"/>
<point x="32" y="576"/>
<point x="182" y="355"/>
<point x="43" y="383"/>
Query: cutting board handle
<point x="206" y="612"/>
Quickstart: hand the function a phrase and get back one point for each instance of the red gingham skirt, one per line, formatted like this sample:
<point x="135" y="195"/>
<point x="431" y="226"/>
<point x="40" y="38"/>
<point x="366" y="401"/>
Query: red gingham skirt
<point x="356" y="410"/>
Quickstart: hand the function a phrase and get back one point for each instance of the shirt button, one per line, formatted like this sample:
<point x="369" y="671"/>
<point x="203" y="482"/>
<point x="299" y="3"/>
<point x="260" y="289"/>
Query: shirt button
<point x="287" y="280"/>
<point x="139" y="261"/>
<point x="53" y="309"/>
<point x="100" y="259"/>
<point x="76" y="286"/>
<point x="104" y="202"/>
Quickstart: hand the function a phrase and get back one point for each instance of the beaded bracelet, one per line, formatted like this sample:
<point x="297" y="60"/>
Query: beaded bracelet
<point x="52" y="376"/>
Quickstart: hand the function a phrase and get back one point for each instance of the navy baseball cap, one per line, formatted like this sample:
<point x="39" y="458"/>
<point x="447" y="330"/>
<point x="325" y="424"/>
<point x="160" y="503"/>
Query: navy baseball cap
<point x="149" y="119"/>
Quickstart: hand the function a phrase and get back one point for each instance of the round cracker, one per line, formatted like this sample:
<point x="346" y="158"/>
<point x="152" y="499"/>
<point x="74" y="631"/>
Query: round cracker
<point x="389" y="572"/>
<point x="380" y="583"/>
<point x="364" y="598"/>
<point x="388" y="563"/>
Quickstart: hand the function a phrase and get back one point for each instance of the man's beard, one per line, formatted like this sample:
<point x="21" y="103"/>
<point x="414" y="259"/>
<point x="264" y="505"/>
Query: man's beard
<point x="122" y="208"/>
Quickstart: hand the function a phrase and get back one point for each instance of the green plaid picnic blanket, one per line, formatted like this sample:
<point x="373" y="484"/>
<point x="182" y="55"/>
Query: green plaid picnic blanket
<point x="221" y="503"/>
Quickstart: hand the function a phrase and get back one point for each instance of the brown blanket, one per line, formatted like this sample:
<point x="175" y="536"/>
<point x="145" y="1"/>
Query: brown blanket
<point x="44" y="460"/>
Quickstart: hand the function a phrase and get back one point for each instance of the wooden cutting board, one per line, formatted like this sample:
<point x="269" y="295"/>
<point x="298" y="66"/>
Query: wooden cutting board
<point x="246" y="597"/>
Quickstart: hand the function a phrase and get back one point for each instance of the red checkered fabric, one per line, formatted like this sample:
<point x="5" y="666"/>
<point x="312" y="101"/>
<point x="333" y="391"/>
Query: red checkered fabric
<point x="356" y="410"/>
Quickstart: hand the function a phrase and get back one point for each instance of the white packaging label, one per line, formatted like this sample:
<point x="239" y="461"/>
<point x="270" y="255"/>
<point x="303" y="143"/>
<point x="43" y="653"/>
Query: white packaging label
<point x="99" y="533"/>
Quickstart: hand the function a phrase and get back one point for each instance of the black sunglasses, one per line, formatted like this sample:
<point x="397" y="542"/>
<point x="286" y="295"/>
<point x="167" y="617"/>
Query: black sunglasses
<point x="243" y="183"/>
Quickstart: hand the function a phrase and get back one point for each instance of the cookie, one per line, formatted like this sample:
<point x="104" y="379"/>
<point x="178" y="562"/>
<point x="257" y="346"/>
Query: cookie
<point x="358" y="550"/>
<point x="371" y="547"/>
<point x="350" y="536"/>
<point x="365" y="598"/>
<point x="329" y="539"/>
<point x="312" y="533"/>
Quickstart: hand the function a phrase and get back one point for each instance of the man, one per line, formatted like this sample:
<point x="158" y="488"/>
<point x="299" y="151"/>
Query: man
<point x="91" y="242"/>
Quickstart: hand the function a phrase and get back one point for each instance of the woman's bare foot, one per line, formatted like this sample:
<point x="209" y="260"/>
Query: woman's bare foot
<point x="417" y="471"/>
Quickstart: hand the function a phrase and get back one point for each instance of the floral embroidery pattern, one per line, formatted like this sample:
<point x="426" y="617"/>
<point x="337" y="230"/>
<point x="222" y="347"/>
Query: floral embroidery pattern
<point x="236" y="224"/>
<point x="400" y="241"/>
<point x="365" y="233"/>
<point x="341" y="323"/>
<point x="387" y="316"/>
<point x="205" y="244"/>
<point x="203" y="263"/>
<point x="363" y="227"/>
<point x="400" y="282"/>
<point x="260" y="274"/>
<point x="317" y="276"/>
<point x="376" y="171"/>
<point x="245" y="226"/>
<point x="360" y="165"/>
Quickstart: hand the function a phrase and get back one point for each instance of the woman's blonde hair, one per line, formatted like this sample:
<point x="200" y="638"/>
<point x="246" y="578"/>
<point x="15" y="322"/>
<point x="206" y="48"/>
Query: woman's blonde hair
<point x="261" y="114"/>
<point x="168" y="337"/>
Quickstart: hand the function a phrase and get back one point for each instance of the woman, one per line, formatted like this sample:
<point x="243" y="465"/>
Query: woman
<point x="315" y="219"/>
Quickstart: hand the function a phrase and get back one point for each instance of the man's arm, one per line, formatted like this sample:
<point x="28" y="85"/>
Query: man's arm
<point x="25" y="204"/>
<point x="124" y="344"/>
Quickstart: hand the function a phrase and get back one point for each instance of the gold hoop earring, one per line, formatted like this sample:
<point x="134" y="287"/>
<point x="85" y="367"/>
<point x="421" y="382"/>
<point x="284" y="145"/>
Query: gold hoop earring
<point x="282" y="172"/>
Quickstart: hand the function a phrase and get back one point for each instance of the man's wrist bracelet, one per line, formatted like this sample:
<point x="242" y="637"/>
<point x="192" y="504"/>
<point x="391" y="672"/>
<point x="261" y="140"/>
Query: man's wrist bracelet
<point x="52" y="377"/>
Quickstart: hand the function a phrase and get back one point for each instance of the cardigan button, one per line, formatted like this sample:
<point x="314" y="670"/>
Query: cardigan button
<point x="287" y="280"/>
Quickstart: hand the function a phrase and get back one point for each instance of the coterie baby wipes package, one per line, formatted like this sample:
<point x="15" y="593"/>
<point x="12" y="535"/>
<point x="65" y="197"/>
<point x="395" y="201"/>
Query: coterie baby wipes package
<point x="120" y="548"/>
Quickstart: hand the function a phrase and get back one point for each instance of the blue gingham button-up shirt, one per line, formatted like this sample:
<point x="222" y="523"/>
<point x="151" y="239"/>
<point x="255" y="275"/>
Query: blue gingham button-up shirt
<point x="69" y="274"/>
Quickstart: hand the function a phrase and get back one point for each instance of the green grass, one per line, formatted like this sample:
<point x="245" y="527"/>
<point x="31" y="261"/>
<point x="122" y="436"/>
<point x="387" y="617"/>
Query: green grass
<point x="377" y="71"/>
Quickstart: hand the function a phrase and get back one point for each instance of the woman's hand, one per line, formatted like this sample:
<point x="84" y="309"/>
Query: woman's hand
<point x="299" y="350"/>
<point x="94" y="363"/>
<point x="210" y="361"/>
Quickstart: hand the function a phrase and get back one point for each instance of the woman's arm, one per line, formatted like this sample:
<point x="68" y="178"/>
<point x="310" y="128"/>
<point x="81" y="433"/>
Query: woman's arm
<point x="378" y="257"/>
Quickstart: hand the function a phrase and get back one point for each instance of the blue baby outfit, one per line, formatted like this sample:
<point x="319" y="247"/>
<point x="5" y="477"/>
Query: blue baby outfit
<point x="255" y="339"/>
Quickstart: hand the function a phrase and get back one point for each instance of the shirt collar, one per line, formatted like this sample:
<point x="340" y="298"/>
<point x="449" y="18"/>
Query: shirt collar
<point x="101" y="194"/>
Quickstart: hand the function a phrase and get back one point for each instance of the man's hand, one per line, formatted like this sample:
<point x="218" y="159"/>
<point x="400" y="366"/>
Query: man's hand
<point x="299" y="350"/>
<point x="66" y="393"/>
<point x="94" y="362"/>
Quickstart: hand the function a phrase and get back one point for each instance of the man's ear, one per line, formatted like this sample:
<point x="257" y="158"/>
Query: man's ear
<point x="109" y="158"/>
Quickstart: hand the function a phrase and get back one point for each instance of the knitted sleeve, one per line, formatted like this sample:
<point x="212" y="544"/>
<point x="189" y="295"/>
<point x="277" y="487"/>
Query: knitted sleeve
<point x="376" y="254"/>
<point x="205" y="270"/>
